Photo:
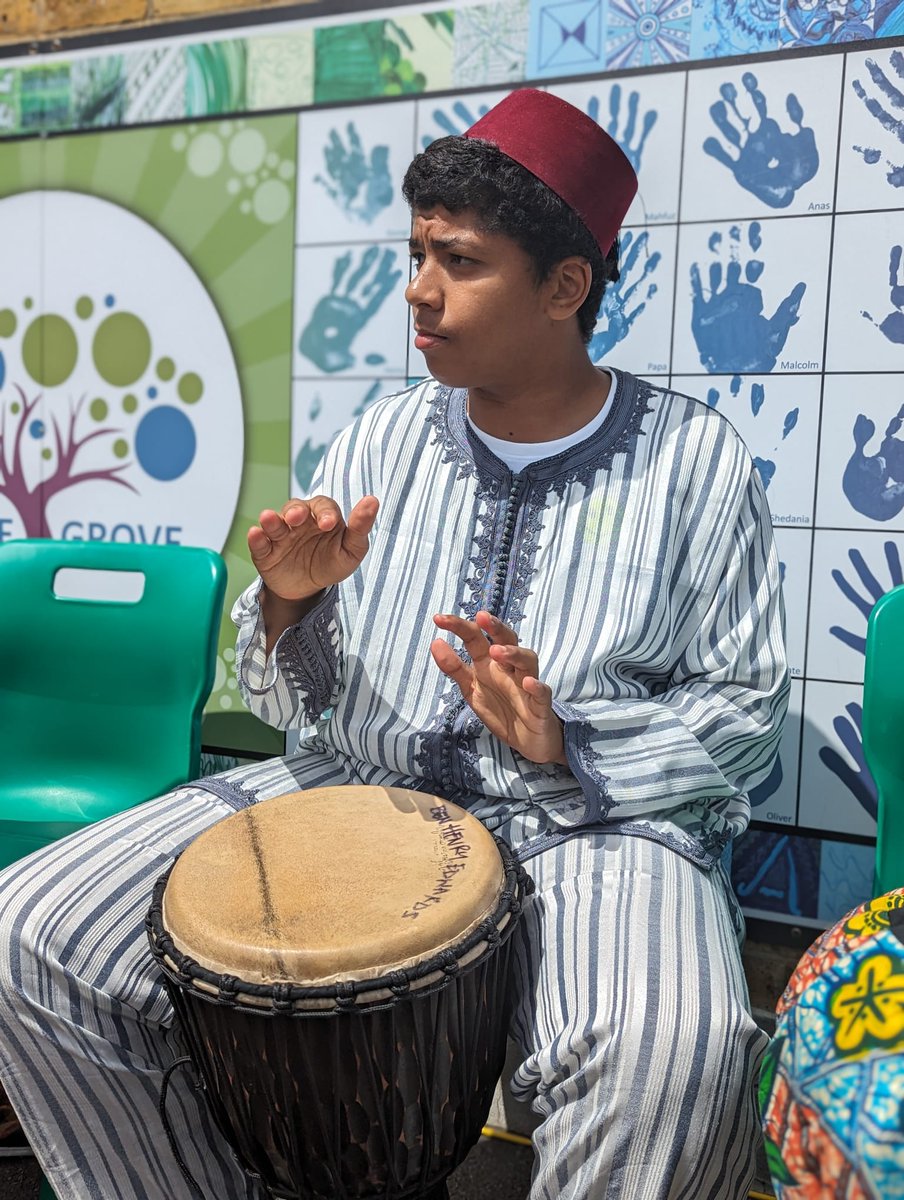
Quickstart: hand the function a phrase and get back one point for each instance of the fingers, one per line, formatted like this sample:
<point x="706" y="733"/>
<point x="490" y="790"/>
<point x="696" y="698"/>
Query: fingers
<point x="714" y="148"/>
<point x="759" y="100"/>
<point x="470" y="633"/>
<point x="474" y="633"/>
<point x="501" y="633"/>
<point x="696" y="283"/>
<point x="517" y="660"/>
<point x="361" y="518"/>
<point x="537" y="690"/>
<point x="326" y="513"/>
<point x="504" y="651"/>
<point x="722" y="121"/>
<point x="320" y="514"/>
<point x="452" y="666"/>
<point x="259" y="544"/>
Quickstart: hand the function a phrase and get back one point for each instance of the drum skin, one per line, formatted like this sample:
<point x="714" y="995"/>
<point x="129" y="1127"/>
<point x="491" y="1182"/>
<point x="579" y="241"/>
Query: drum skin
<point x="832" y="1083"/>
<point x="359" y="1087"/>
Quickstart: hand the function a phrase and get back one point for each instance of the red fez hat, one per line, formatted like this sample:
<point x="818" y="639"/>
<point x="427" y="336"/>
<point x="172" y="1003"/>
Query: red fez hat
<point x="569" y="152"/>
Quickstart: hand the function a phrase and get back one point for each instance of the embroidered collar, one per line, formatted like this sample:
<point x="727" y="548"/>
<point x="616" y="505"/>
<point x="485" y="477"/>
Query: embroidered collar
<point x="616" y="435"/>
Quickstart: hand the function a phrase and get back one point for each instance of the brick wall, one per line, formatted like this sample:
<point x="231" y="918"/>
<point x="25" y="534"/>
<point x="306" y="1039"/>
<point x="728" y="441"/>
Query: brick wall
<point x="40" y="20"/>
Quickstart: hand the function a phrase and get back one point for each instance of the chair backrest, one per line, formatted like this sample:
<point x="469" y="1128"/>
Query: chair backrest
<point x="100" y="699"/>
<point x="883" y="732"/>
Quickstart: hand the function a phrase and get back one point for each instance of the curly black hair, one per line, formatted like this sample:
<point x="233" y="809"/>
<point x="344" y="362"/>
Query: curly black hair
<point x="460" y="173"/>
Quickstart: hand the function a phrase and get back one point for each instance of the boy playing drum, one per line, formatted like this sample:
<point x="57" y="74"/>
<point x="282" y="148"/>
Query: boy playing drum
<point x="544" y="590"/>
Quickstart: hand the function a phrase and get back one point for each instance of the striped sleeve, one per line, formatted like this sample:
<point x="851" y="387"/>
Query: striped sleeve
<point x="301" y="677"/>
<point x="300" y="680"/>
<point x="713" y="733"/>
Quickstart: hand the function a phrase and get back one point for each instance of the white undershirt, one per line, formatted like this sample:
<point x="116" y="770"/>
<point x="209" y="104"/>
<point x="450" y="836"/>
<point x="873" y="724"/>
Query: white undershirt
<point x="518" y="455"/>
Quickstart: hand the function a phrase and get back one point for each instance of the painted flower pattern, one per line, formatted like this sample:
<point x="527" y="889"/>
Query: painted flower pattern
<point x="871" y="1008"/>
<point x="831" y="1086"/>
<point x="870" y="918"/>
<point x="853" y="930"/>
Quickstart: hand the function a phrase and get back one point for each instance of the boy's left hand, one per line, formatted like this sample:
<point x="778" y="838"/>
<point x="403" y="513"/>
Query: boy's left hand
<point x="501" y="686"/>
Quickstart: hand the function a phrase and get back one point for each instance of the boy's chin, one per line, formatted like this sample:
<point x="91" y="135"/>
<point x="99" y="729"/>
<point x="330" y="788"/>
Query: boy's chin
<point x="449" y="376"/>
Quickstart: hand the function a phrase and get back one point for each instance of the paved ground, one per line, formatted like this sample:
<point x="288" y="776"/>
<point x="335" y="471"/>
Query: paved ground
<point x="494" y="1170"/>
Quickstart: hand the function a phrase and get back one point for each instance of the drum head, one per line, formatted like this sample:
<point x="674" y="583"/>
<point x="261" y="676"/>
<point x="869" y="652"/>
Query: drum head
<point x="341" y="883"/>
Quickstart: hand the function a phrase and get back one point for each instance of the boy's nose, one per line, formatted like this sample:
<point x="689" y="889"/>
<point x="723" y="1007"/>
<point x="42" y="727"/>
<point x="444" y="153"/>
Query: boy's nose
<point x="422" y="289"/>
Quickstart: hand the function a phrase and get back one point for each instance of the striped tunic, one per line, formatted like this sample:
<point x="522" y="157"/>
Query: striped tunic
<point x="638" y="564"/>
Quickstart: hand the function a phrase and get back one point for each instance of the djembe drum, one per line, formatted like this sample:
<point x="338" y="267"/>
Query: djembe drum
<point x="832" y="1083"/>
<point x="339" y="960"/>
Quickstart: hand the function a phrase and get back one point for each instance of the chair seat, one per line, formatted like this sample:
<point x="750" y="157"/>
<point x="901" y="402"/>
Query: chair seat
<point x="21" y="838"/>
<point x="36" y="814"/>
<point x="79" y="801"/>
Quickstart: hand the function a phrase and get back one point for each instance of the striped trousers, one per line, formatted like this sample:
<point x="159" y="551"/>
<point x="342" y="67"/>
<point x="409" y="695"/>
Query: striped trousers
<point x="639" y="1053"/>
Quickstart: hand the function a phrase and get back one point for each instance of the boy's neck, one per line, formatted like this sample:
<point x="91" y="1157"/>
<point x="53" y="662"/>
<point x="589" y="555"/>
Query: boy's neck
<point x="541" y="409"/>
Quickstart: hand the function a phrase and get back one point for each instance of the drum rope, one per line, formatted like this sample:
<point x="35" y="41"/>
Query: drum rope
<point x="167" y="1128"/>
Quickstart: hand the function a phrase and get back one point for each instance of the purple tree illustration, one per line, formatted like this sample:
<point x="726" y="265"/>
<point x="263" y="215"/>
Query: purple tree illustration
<point x="31" y="502"/>
<point x="136" y="424"/>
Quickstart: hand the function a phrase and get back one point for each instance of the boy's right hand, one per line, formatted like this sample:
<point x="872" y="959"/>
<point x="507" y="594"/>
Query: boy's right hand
<point x="309" y="546"/>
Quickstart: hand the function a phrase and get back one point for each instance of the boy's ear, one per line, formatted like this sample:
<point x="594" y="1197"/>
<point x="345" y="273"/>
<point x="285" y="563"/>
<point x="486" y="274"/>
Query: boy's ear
<point x="567" y="287"/>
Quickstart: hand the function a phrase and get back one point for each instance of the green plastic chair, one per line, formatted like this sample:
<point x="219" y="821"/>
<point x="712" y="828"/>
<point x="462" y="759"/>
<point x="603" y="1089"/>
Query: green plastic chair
<point x="100" y="699"/>
<point x="883" y="733"/>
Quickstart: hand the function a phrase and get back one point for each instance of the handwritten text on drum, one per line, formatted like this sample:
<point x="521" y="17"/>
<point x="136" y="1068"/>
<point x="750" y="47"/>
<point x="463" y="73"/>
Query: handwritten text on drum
<point x="455" y="850"/>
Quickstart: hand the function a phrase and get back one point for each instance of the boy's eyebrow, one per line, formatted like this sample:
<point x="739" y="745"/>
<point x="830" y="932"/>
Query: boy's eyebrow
<point x="453" y="242"/>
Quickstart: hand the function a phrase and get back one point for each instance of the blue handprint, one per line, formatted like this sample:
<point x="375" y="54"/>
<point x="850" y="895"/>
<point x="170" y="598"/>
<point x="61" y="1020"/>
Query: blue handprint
<point x="312" y="451"/>
<point x="341" y="315"/>
<point x="771" y="165"/>
<point x="729" y="327"/>
<point x="361" y="187"/>
<point x="894" y="98"/>
<point x="856" y="779"/>
<point x="765" y="466"/>
<point x="873" y="588"/>
<point x="615" y="321"/>
<point x="874" y="483"/>
<point x="463" y="118"/>
<point x="892" y="326"/>
<point x="770" y="785"/>
<point x="633" y="150"/>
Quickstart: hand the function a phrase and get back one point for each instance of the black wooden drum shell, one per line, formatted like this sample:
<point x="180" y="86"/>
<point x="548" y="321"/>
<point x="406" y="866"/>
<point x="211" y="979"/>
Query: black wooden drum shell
<point x="358" y="1099"/>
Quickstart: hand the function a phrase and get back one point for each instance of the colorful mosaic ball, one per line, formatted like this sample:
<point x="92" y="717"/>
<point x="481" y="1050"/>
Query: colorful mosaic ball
<point x="832" y="1086"/>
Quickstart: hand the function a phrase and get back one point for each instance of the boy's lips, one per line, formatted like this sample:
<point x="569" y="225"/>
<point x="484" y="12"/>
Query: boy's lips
<point x="426" y="339"/>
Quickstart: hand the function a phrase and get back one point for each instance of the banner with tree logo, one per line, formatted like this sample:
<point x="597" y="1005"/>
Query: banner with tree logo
<point x="145" y="346"/>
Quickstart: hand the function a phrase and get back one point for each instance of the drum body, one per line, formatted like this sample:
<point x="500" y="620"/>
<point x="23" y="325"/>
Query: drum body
<point x="832" y="1081"/>
<point x="333" y="1078"/>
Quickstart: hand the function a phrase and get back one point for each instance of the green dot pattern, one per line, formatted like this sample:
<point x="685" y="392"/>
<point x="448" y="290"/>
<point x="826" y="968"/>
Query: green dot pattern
<point x="8" y="323"/>
<point x="190" y="388"/>
<point x="84" y="307"/>
<point x="166" y="369"/>
<point x="99" y="409"/>
<point x="120" y="448"/>
<point x="129" y="403"/>
<point x="121" y="349"/>
<point x="49" y="350"/>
